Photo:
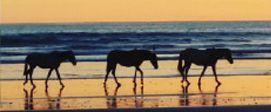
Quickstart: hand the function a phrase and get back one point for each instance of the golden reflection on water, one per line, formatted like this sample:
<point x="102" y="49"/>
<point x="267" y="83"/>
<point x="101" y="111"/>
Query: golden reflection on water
<point x="156" y="92"/>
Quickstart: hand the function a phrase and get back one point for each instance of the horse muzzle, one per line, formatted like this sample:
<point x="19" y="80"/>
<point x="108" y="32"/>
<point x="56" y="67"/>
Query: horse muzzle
<point x="231" y="61"/>
<point x="74" y="63"/>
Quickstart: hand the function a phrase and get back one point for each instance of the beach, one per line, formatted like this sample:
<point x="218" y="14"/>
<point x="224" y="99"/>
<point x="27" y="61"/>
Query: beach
<point x="246" y="83"/>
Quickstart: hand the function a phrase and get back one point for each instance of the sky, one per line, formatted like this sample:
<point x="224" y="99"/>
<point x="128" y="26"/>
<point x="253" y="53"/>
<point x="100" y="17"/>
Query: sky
<point x="65" y="11"/>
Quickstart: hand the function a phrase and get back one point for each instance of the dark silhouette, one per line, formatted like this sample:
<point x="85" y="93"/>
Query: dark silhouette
<point x="54" y="103"/>
<point x="28" y="103"/>
<point x="204" y="58"/>
<point x="111" y="102"/>
<point x="214" y="100"/>
<point x="128" y="59"/>
<point x="50" y="60"/>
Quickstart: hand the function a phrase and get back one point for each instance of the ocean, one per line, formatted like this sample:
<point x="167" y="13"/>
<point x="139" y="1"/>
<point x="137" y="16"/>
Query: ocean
<point x="93" y="41"/>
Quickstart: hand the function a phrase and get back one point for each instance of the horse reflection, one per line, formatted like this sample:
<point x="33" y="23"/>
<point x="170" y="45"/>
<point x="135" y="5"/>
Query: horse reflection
<point x="111" y="101"/>
<point x="205" y="100"/>
<point x="184" y="99"/>
<point x="54" y="103"/>
<point x="139" y="102"/>
<point x="28" y="101"/>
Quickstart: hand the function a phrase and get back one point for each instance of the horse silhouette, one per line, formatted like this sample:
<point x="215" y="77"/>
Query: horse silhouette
<point x="208" y="57"/>
<point x="111" y="101"/>
<point x="50" y="60"/>
<point x="128" y="59"/>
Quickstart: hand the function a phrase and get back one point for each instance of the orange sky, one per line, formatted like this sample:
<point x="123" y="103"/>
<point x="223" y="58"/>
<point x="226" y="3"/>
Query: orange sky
<point x="44" y="11"/>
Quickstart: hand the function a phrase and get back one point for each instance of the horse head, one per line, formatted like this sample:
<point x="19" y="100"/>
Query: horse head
<point x="228" y="55"/>
<point x="70" y="57"/>
<point x="154" y="60"/>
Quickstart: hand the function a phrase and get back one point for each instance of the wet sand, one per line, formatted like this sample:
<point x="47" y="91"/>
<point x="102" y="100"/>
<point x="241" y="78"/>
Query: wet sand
<point x="163" y="93"/>
<point x="156" y="92"/>
<point x="167" y="68"/>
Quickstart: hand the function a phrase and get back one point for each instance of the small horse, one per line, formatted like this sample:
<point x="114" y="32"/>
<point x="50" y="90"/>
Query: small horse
<point x="50" y="60"/>
<point x="204" y="58"/>
<point x="128" y="59"/>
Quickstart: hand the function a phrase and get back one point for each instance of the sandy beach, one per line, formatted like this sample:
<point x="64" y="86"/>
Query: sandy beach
<point x="246" y="83"/>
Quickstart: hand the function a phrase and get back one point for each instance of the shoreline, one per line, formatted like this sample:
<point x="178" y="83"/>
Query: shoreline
<point x="160" y="59"/>
<point x="127" y="77"/>
<point x="167" y="69"/>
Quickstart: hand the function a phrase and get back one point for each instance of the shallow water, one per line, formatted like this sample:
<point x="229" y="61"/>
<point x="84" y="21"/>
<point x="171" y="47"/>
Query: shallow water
<point x="156" y="92"/>
<point x="96" y="70"/>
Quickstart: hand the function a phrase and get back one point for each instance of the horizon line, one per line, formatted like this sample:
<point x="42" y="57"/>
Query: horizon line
<point x="91" y="22"/>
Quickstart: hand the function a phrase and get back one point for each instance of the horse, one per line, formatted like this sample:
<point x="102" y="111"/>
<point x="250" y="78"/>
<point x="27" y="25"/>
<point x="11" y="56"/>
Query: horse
<point x="50" y="60"/>
<point x="205" y="58"/>
<point x="129" y="58"/>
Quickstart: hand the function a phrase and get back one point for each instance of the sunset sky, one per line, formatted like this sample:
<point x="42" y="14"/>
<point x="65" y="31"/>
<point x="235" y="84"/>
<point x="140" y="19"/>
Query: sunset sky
<point x="55" y="11"/>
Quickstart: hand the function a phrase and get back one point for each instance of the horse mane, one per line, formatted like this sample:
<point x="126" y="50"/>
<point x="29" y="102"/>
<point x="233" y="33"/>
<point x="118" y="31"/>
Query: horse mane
<point x="63" y="55"/>
<point x="220" y="52"/>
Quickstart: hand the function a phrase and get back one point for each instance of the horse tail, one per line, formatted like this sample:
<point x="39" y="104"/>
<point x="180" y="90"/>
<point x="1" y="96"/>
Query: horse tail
<point x="180" y="66"/>
<point x="109" y="62"/>
<point x="25" y="68"/>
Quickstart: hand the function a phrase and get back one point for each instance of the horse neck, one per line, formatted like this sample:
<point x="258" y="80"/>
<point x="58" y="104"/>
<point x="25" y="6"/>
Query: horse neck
<point x="220" y="54"/>
<point x="147" y="57"/>
<point x="62" y="57"/>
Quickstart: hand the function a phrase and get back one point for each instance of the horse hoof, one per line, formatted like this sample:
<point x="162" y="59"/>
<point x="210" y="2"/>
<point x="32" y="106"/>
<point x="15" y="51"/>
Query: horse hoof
<point x="118" y="84"/>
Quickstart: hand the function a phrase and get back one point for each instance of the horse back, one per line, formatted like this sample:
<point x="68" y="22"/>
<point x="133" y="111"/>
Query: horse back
<point x="43" y="60"/>
<point x="125" y="58"/>
<point x="199" y="57"/>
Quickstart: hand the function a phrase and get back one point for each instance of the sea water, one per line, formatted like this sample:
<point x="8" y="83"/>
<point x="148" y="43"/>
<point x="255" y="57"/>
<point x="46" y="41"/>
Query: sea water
<point x="93" y="41"/>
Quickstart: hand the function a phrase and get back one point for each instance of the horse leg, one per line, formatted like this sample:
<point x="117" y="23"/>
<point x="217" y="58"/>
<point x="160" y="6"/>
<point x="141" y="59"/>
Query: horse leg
<point x="58" y="76"/>
<point x="106" y="76"/>
<point x="109" y="67"/>
<point x="182" y="73"/>
<point x="135" y="76"/>
<point x="202" y="73"/>
<point x="30" y="74"/>
<point x="26" y="79"/>
<point x="26" y="74"/>
<point x="181" y="69"/>
<point x="188" y="65"/>
<point x="141" y="73"/>
<point x="114" y="75"/>
<point x="49" y="74"/>
<point x="214" y="70"/>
